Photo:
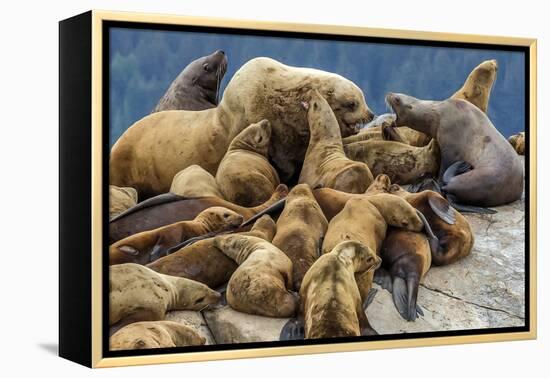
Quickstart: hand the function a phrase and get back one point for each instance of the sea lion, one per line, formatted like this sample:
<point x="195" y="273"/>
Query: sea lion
<point x="404" y="164"/>
<point x="518" y="142"/>
<point x="147" y="157"/>
<point x="148" y="246"/>
<point x="245" y="176"/>
<point x="169" y="208"/>
<point x="121" y="199"/>
<point x="478" y="166"/>
<point x="406" y="258"/>
<point x="137" y="293"/>
<point x="193" y="182"/>
<point x="366" y="219"/>
<point x="477" y="87"/>
<point x="157" y="334"/>
<point x="331" y="304"/>
<point x="202" y="262"/>
<point x="454" y="233"/>
<point x="325" y="163"/>
<point x="300" y="231"/>
<point x="261" y="283"/>
<point x="197" y="87"/>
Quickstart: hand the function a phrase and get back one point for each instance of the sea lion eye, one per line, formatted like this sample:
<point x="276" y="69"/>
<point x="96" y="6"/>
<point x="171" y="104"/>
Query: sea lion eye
<point x="225" y="215"/>
<point x="206" y="67"/>
<point x="351" y="105"/>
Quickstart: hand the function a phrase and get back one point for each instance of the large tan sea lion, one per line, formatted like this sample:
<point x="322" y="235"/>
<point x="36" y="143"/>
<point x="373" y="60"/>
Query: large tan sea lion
<point x="121" y="199"/>
<point x="300" y="231"/>
<point x="197" y="87"/>
<point x="478" y="165"/>
<point x="477" y="87"/>
<point x="148" y="246"/>
<point x="194" y="182"/>
<point x="245" y="176"/>
<point x="203" y="262"/>
<point x="403" y="163"/>
<point x="156" y="334"/>
<point x="169" y="208"/>
<point x="137" y="293"/>
<point x="147" y="157"/>
<point x="325" y="163"/>
<point x="261" y="283"/>
<point x="331" y="304"/>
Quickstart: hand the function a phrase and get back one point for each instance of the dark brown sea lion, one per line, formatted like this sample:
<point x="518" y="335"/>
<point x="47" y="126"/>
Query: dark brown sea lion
<point x="477" y="87"/>
<point x="518" y="142"/>
<point x="137" y="293"/>
<point x="197" y="87"/>
<point x="403" y="163"/>
<point x="325" y="163"/>
<point x="147" y="157"/>
<point x="245" y="176"/>
<point x="261" y="283"/>
<point x="148" y="246"/>
<point x="300" y="231"/>
<point x="478" y="166"/>
<point x="156" y="334"/>
<point x="169" y="208"/>
<point x="203" y="262"/>
<point x="331" y="304"/>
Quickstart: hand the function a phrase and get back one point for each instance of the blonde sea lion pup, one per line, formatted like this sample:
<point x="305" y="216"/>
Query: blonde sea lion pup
<point x="331" y="304"/>
<point x="245" y="176"/>
<point x="518" y="142"/>
<point x="300" y="231"/>
<point x="121" y="199"/>
<point x="147" y="157"/>
<point x="148" y="246"/>
<point x="325" y="164"/>
<point x="403" y="163"/>
<point x="194" y="181"/>
<point x="478" y="85"/>
<point x="261" y="283"/>
<point x="366" y="219"/>
<point x="157" y="334"/>
<point x="137" y="293"/>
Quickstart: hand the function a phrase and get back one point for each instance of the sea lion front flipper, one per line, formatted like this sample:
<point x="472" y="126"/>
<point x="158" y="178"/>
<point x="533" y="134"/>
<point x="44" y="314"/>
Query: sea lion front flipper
<point x="404" y="297"/>
<point x="276" y="207"/>
<point x="369" y="298"/>
<point x="455" y="169"/>
<point x="293" y="330"/>
<point x="442" y="209"/>
<point x="383" y="278"/>
<point x="467" y="208"/>
<point x="425" y="183"/>
<point x="150" y="202"/>
<point x="432" y="239"/>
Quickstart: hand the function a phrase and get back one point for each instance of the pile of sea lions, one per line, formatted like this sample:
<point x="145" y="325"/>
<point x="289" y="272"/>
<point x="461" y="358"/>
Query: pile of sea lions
<point x="286" y="199"/>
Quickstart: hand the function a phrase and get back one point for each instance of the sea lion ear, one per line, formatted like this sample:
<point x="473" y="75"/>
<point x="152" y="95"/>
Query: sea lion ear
<point x="128" y="249"/>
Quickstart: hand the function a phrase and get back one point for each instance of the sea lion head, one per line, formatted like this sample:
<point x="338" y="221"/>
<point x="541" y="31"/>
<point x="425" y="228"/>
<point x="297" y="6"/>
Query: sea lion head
<point x="478" y="85"/>
<point x="418" y="114"/>
<point x="193" y="295"/>
<point x="254" y="138"/>
<point x="348" y="104"/>
<point x="219" y="218"/>
<point x="361" y="256"/>
<point x="397" y="190"/>
<point x="207" y="73"/>
<point x="265" y="228"/>
<point x="397" y="212"/>
<point x="381" y="184"/>
<point x="300" y="191"/>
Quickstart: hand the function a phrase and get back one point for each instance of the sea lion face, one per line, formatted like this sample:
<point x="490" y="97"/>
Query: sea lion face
<point x="397" y="190"/>
<point x="409" y="111"/>
<point x="254" y="138"/>
<point x="197" y="296"/>
<point x="349" y="106"/>
<point x="219" y="218"/>
<point x="381" y="184"/>
<point x="362" y="256"/>
<point x="479" y="83"/>
<point x="208" y="72"/>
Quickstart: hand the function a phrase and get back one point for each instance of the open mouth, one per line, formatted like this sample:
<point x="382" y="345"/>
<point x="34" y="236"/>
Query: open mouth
<point x="391" y="109"/>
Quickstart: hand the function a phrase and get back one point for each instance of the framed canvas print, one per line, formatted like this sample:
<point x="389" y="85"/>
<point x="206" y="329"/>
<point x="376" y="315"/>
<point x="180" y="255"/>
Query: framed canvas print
<point x="234" y="189"/>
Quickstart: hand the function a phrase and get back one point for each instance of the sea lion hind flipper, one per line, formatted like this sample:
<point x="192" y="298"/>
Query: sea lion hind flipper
<point x="425" y="183"/>
<point x="383" y="278"/>
<point x="468" y="208"/>
<point x="404" y="297"/>
<point x="442" y="209"/>
<point x="150" y="202"/>
<point x="432" y="239"/>
<point x="369" y="298"/>
<point x="457" y="168"/>
<point x="293" y="330"/>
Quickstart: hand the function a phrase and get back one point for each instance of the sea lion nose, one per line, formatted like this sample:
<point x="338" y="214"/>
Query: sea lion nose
<point x="220" y="52"/>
